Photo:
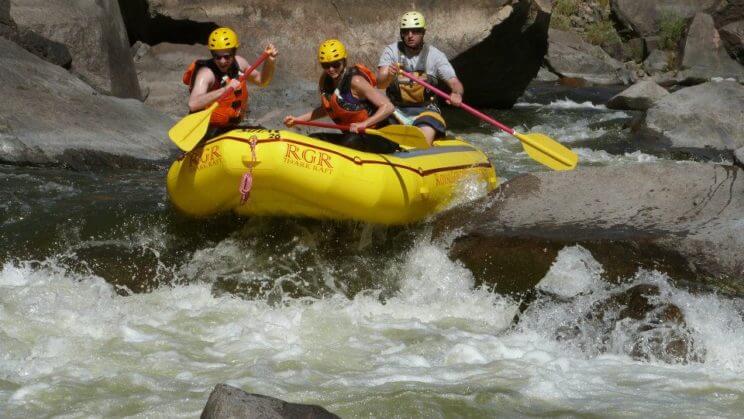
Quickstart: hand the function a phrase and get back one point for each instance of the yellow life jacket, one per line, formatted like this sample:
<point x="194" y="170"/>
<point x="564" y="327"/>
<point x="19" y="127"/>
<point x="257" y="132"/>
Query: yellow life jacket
<point x="406" y="92"/>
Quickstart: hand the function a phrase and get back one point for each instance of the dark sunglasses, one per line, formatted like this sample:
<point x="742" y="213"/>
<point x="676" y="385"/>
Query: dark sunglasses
<point x="415" y="31"/>
<point x="335" y="64"/>
<point x="218" y="57"/>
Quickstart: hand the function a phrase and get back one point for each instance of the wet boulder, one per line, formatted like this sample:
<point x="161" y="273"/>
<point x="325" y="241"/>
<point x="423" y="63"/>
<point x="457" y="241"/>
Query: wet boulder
<point x="681" y="218"/>
<point x="49" y="116"/>
<point x="708" y="115"/>
<point x="229" y="402"/>
<point x="639" y="96"/>
<point x="705" y="56"/>
<point x="569" y="56"/>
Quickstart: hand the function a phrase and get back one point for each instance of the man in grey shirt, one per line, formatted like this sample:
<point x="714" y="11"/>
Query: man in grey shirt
<point x="416" y="104"/>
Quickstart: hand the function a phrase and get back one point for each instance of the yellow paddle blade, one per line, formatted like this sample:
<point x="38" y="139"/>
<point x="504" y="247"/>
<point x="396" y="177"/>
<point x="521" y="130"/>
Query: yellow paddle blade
<point x="406" y="135"/>
<point x="191" y="129"/>
<point x="548" y="151"/>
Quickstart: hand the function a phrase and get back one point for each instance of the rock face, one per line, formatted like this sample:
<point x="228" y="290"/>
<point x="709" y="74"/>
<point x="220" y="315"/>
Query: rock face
<point x="93" y="30"/>
<point x="739" y="156"/>
<point x="679" y="218"/>
<point x="496" y="46"/>
<point x="704" y="54"/>
<point x="5" y="13"/>
<point x="498" y="69"/>
<point x="707" y="115"/>
<point x="48" y="116"/>
<point x="639" y="96"/>
<point x="643" y="16"/>
<point x="733" y="36"/>
<point x="230" y="402"/>
<point x="570" y="56"/>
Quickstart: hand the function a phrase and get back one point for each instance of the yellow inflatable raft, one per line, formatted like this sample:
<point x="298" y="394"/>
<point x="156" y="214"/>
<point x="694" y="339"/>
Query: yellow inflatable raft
<point x="286" y="173"/>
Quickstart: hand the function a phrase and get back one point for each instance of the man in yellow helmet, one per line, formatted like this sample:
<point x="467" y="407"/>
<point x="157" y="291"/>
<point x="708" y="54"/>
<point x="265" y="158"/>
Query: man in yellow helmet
<point x="411" y="54"/>
<point x="348" y="96"/>
<point x="209" y="79"/>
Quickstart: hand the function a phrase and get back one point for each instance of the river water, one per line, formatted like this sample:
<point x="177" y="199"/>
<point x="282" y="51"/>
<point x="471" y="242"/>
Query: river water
<point x="112" y="304"/>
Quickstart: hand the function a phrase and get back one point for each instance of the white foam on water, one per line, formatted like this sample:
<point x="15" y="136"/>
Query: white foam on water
<point x="70" y="343"/>
<point x="587" y="155"/>
<point x="574" y="272"/>
<point x="563" y="104"/>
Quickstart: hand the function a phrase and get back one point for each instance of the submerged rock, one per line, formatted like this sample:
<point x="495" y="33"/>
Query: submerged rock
<point x="636" y="322"/>
<point x="230" y="402"/>
<point x="680" y="218"/>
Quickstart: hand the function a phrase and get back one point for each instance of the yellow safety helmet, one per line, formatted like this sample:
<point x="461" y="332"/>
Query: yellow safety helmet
<point x="412" y="20"/>
<point x="223" y="38"/>
<point x="331" y="50"/>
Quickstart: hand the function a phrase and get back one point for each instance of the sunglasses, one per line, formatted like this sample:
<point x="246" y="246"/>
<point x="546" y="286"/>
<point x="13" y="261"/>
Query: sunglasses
<point x="415" y="31"/>
<point x="218" y="57"/>
<point x="335" y="64"/>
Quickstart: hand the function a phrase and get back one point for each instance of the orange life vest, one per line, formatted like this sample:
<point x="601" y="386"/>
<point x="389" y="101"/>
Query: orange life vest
<point x="231" y="109"/>
<point x="340" y="103"/>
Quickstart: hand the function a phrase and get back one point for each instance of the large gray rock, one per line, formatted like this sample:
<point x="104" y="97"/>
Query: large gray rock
<point x="707" y="115"/>
<point x="639" y="96"/>
<point x="49" y="116"/>
<point x="643" y="16"/>
<point x="657" y="62"/>
<point x="93" y="30"/>
<point x="572" y="57"/>
<point x="227" y="402"/>
<point x="683" y="218"/>
<point x="704" y="54"/>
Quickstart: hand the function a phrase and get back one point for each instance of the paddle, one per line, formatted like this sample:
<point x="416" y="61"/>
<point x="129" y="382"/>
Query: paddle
<point x="191" y="129"/>
<point x="540" y="147"/>
<point x="405" y="135"/>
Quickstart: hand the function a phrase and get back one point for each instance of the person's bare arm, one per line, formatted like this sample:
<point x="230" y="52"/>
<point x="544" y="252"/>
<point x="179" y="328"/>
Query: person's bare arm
<point x="363" y="90"/>
<point x="316" y="113"/>
<point x="263" y="78"/>
<point x="457" y="89"/>
<point x="200" y="97"/>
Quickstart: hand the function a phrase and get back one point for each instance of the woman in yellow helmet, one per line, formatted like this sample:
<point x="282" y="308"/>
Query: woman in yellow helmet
<point x="347" y="93"/>
<point x="208" y="79"/>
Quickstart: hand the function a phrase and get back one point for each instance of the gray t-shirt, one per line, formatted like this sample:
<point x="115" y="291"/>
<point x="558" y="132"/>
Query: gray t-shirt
<point x="436" y="65"/>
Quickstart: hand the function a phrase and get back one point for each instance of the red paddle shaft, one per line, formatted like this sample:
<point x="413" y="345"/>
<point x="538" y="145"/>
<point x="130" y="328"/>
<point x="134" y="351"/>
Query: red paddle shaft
<point x="467" y="107"/>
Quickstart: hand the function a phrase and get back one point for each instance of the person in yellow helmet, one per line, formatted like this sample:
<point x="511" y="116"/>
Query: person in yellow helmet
<point x="414" y="103"/>
<point x="347" y="94"/>
<point x="208" y="79"/>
